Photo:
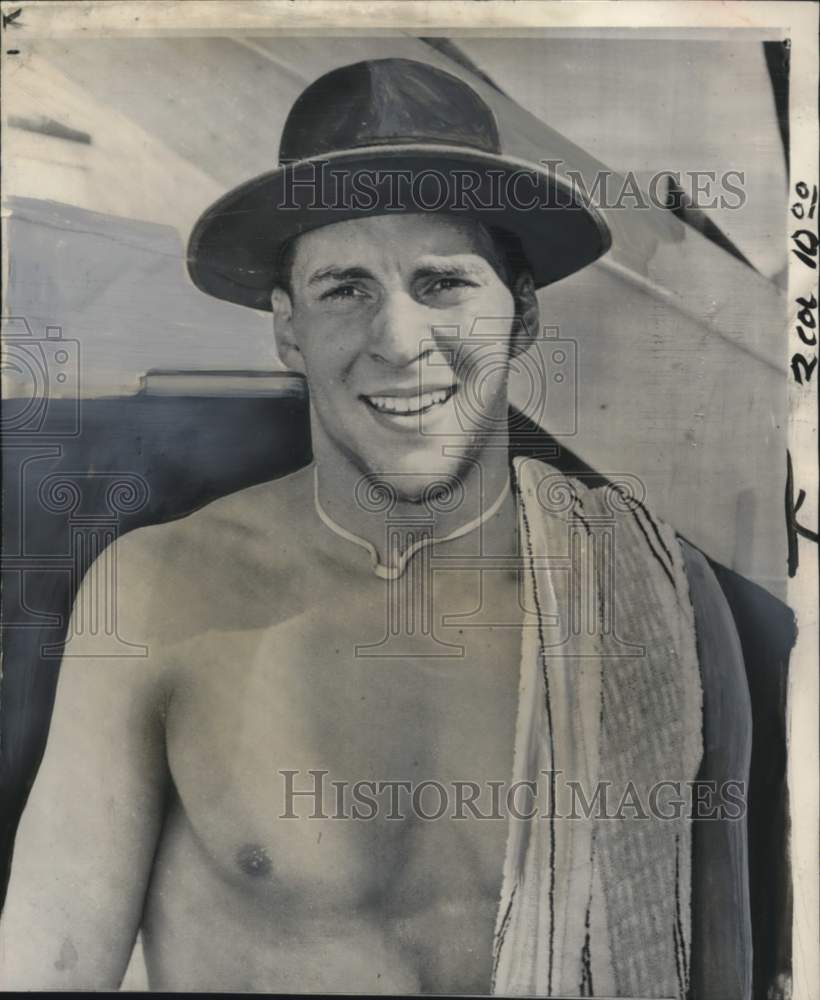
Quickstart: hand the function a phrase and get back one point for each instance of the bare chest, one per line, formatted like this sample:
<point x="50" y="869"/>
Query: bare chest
<point x="351" y="756"/>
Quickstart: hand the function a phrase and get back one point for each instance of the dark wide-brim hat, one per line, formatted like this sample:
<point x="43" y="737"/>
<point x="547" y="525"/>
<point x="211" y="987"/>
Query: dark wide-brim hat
<point x="381" y="137"/>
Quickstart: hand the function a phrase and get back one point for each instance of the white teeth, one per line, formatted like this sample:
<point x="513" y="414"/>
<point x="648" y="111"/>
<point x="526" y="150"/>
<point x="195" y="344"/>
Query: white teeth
<point x="408" y="404"/>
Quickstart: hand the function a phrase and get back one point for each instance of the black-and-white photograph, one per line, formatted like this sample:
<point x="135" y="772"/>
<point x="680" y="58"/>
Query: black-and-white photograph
<point x="409" y="513"/>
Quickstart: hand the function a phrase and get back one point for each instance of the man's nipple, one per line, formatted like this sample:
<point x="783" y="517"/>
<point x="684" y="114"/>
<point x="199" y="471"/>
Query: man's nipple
<point x="253" y="860"/>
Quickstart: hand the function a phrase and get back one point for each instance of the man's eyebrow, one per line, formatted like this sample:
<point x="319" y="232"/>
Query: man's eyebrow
<point x="463" y="268"/>
<point x="338" y="274"/>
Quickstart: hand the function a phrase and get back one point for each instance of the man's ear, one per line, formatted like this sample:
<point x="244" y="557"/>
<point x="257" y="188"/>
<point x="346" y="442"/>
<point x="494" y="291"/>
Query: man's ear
<point x="286" y="348"/>
<point x="527" y="313"/>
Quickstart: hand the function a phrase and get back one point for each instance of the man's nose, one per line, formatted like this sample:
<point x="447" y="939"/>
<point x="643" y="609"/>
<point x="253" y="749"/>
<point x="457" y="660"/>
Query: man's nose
<point x="401" y="331"/>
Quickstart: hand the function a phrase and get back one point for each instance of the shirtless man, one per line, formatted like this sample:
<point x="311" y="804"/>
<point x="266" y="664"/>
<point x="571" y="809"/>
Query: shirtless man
<point x="162" y="802"/>
<point x="159" y="797"/>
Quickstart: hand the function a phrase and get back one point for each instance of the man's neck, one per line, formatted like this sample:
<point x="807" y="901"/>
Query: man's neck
<point x="370" y="511"/>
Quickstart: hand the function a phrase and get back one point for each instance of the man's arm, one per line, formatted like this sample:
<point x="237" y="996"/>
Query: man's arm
<point x="87" y="837"/>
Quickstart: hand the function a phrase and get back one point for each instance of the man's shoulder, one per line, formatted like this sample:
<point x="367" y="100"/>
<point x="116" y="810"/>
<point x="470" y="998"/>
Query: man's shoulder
<point x="209" y="568"/>
<point x="272" y="513"/>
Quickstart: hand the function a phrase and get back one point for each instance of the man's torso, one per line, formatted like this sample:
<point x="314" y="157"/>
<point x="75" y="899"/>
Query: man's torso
<point x="268" y="675"/>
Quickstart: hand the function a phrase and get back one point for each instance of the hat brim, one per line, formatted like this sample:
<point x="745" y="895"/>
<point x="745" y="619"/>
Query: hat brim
<point x="236" y="244"/>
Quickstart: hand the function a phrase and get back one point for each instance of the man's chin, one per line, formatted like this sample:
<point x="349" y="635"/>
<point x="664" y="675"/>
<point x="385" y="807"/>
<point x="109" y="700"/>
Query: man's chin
<point x="419" y="480"/>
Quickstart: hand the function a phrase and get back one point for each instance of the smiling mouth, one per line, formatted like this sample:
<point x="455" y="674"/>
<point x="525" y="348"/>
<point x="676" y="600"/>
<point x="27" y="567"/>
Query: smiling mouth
<point x="410" y="406"/>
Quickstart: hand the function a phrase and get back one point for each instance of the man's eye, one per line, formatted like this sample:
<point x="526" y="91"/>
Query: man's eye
<point x="343" y="292"/>
<point x="450" y="284"/>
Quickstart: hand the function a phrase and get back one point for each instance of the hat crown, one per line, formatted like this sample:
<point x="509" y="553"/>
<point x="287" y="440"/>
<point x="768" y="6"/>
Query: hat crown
<point x="386" y="102"/>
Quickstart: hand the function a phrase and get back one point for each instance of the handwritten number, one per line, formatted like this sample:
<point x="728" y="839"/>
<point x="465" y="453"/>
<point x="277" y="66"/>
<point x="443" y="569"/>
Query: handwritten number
<point x="802" y="190"/>
<point x="808" y="368"/>
<point x="806" y="242"/>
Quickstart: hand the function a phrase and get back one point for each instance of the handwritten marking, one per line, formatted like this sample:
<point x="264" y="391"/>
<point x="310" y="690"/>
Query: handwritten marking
<point x="11" y="18"/>
<point x="793" y="528"/>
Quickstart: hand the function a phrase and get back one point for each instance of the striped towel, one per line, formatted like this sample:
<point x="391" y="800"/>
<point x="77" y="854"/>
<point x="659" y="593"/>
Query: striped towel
<point x="609" y="692"/>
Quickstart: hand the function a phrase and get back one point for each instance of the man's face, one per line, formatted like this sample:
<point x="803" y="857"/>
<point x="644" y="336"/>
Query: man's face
<point x="382" y="320"/>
